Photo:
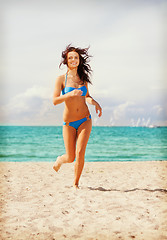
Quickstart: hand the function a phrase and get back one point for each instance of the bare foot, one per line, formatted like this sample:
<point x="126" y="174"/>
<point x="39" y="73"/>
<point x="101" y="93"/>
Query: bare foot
<point x="75" y="186"/>
<point x="57" y="164"/>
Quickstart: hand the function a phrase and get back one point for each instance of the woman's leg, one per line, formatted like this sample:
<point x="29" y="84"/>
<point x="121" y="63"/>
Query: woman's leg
<point x="82" y="139"/>
<point x="69" y="135"/>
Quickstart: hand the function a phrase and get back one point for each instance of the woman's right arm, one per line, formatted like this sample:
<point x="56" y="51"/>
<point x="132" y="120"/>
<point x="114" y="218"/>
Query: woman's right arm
<point x="57" y="97"/>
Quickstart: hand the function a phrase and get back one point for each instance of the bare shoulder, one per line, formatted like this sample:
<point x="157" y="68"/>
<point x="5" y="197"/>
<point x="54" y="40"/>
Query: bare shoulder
<point x="59" y="85"/>
<point x="60" y="79"/>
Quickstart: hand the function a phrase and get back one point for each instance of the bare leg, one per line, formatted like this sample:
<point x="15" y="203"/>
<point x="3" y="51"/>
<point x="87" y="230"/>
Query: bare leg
<point x="69" y="135"/>
<point x="82" y="139"/>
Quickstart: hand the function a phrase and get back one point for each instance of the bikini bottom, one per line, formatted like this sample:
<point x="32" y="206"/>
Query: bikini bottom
<point x="77" y="123"/>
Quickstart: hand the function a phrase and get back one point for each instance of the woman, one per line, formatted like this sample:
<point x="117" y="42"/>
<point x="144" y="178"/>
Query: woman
<point x="77" y="119"/>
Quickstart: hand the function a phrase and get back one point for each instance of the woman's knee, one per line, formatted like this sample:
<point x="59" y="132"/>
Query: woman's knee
<point x="70" y="158"/>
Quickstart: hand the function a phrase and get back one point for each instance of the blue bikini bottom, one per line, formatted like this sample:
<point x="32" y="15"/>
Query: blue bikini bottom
<point x="77" y="123"/>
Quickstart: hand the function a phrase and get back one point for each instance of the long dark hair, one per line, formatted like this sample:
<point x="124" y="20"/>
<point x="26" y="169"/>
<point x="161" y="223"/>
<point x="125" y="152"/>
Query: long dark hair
<point x="84" y="69"/>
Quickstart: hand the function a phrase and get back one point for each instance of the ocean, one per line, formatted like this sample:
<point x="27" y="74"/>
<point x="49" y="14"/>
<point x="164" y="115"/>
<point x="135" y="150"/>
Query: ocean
<point x="45" y="143"/>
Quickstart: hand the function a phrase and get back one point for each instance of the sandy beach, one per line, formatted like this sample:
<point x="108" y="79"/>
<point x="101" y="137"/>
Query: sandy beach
<point x="116" y="200"/>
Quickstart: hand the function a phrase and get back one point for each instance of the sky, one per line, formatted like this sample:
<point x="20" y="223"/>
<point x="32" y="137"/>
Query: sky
<point x="129" y="59"/>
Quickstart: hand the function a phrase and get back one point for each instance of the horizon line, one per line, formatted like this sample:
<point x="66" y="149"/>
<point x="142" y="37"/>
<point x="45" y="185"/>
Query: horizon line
<point x="15" y="125"/>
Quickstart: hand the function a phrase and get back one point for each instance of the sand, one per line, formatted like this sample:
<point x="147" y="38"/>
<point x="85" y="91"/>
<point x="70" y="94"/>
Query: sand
<point x="126" y="200"/>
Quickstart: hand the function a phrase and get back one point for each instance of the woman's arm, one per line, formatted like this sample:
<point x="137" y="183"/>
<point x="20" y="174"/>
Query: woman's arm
<point x="57" y="97"/>
<point x="91" y="101"/>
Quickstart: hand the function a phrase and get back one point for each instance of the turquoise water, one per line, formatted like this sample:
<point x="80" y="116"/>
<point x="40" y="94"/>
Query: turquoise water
<point x="24" y="144"/>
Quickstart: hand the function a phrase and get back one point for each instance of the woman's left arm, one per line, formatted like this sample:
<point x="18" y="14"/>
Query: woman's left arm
<point x="91" y="101"/>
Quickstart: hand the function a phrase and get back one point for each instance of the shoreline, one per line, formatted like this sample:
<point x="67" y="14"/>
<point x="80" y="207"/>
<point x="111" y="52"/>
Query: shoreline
<point x="101" y="161"/>
<point x="116" y="200"/>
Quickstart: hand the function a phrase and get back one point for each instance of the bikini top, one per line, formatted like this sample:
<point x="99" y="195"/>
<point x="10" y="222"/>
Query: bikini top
<point x="69" y="89"/>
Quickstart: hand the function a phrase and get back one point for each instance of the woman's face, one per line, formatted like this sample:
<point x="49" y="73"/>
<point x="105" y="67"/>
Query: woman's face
<point x="72" y="60"/>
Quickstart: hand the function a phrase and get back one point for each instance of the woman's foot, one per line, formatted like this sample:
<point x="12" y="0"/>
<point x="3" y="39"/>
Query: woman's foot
<point x="75" y="186"/>
<point x="57" y="164"/>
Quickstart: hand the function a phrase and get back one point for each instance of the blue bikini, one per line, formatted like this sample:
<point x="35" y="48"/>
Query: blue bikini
<point x="75" y="124"/>
<point x="69" y="89"/>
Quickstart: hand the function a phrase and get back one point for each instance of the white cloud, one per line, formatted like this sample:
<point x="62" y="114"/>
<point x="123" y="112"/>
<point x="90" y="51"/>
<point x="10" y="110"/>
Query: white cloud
<point x="133" y="113"/>
<point x="28" y="100"/>
<point x="34" y="106"/>
<point x="121" y="110"/>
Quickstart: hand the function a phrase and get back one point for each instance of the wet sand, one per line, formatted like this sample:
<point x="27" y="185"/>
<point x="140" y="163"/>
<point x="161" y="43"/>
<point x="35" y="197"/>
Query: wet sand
<point x="116" y="200"/>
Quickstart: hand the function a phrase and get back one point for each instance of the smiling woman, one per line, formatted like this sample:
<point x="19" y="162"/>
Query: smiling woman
<point x="77" y="119"/>
<point x="73" y="59"/>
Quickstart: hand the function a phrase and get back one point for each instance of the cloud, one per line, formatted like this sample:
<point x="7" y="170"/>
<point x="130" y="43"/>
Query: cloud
<point x="29" y="100"/>
<point x="34" y="106"/>
<point x="120" y="111"/>
<point x="132" y="113"/>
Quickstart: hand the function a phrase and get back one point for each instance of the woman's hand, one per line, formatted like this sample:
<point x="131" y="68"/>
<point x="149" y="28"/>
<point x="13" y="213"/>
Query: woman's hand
<point x="75" y="93"/>
<point x="98" y="109"/>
